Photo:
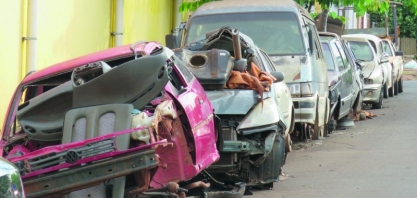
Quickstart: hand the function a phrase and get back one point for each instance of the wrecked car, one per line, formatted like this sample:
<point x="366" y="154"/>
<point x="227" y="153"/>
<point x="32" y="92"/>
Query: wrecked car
<point x="344" y="86"/>
<point x="122" y="122"/>
<point x="397" y="63"/>
<point x="285" y="31"/>
<point x="381" y="58"/>
<point x="244" y="89"/>
<point x="396" y="60"/>
<point x="374" y="69"/>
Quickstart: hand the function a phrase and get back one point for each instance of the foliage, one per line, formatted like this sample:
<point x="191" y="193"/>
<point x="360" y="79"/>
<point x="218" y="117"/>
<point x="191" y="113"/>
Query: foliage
<point x="406" y="19"/>
<point x="359" y="6"/>
<point x="331" y="14"/>
<point x="192" y="5"/>
<point x="335" y="16"/>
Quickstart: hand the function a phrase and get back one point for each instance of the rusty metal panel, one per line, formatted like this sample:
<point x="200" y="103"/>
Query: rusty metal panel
<point x="408" y="46"/>
<point x="74" y="179"/>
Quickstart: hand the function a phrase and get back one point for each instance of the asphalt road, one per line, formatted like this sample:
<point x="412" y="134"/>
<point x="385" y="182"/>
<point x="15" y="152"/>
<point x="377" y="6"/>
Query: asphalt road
<point x="376" y="158"/>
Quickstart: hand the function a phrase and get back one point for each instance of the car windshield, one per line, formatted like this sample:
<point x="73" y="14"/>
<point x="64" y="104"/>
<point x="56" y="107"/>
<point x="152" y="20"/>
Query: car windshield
<point x="276" y="33"/>
<point x="328" y="56"/>
<point x="387" y="48"/>
<point x="361" y="50"/>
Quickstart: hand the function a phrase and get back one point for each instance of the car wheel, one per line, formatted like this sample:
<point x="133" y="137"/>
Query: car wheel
<point x="396" y="88"/>
<point x="400" y="85"/>
<point x="385" y="90"/>
<point x="379" y="104"/>
<point x="391" y="91"/>
<point x="288" y="144"/>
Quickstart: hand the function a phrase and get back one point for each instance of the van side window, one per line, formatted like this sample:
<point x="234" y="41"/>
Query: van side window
<point x="342" y="53"/>
<point x="337" y="57"/>
<point x="317" y="49"/>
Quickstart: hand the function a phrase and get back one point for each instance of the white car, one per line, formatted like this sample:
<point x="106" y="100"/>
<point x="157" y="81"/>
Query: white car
<point x="382" y="59"/>
<point x="397" y="62"/>
<point x="376" y="67"/>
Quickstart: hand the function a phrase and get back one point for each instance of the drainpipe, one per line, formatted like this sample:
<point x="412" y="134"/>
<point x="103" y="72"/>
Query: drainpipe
<point x="32" y="33"/>
<point x="118" y="30"/>
<point x="177" y="14"/>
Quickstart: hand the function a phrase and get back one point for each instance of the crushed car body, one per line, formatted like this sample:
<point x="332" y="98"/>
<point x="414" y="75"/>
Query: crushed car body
<point x="287" y="34"/>
<point x="345" y="84"/>
<point x="126" y="121"/>
<point x="243" y="89"/>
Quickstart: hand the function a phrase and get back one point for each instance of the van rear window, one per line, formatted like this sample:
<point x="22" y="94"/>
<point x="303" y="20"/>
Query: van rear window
<point x="277" y="33"/>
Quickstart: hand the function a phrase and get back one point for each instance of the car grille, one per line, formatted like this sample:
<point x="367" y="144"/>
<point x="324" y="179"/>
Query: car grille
<point x="71" y="156"/>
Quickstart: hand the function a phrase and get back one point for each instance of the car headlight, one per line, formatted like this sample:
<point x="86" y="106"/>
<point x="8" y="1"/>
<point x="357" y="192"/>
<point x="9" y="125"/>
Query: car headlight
<point x="368" y="81"/>
<point x="303" y="89"/>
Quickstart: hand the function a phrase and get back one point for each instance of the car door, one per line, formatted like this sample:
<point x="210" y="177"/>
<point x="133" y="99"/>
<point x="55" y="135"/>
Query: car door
<point x="345" y="72"/>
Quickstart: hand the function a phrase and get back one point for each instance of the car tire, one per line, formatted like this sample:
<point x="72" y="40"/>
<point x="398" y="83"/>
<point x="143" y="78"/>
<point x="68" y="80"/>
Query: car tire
<point x="385" y="90"/>
<point x="391" y="91"/>
<point x="400" y="86"/>
<point x="396" y="88"/>
<point x="380" y="102"/>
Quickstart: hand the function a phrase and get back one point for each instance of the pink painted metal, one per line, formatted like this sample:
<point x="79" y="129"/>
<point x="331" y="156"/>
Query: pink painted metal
<point x="186" y="155"/>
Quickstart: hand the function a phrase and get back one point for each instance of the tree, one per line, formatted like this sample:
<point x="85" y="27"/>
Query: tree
<point x="406" y="20"/>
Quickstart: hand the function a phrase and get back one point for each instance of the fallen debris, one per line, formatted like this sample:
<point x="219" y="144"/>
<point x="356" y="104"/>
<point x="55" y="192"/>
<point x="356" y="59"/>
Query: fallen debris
<point x="363" y="115"/>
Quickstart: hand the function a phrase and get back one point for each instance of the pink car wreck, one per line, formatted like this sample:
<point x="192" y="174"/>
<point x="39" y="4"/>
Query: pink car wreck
<point x="117" y="123"/>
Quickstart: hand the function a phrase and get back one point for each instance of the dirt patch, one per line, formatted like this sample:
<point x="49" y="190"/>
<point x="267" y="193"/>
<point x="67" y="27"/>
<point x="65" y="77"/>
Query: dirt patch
<point x="409" y="74"/>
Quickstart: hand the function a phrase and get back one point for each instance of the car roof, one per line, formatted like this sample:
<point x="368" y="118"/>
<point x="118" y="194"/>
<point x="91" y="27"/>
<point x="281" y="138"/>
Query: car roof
<point x="366" y="36"/>
<point x="354" y="37"/>
<point x="239" y="6"/>
<point x="68" y="65"/>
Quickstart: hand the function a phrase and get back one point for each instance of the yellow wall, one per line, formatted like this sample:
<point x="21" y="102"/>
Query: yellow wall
<point x="10" y="50"/>
<point x="71" y="28"/>
<point x="147" y="20"/>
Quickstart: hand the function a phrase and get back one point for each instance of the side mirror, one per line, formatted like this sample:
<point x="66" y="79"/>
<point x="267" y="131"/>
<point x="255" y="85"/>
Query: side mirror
<point x="278" y="75"/>
<point x="360" y="64"/>
<point x="399" y="53"/>
<point x="384" y="58"/>
<point x="172" y="41"/>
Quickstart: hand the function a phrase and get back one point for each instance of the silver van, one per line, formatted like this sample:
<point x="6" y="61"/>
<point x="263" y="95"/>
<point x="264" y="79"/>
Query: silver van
<point x="285" y="31"/>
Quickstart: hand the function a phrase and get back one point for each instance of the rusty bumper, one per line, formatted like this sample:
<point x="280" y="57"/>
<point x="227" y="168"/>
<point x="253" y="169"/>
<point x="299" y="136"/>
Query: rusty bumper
<point x="63" y="182"/>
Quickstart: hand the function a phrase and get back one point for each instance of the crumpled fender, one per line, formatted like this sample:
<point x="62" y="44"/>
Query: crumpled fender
<point x="261" y="114"/>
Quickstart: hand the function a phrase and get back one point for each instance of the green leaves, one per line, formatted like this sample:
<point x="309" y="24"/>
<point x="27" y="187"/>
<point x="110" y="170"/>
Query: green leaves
<point x="406" y="19"/>
<point x="335" y="16"/>
<point x="193" y="5"/>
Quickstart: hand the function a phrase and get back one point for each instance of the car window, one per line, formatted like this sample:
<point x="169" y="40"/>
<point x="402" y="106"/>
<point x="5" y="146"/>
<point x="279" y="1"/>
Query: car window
<point x="278" y="33"/>
<point x="373" y="46"/>
<point x="328" y="57"/>
<point x="268" y="62"/>
<point x="337" y="56"/>
<point x="381" y="49"/>
<point x="387" y="48"/>
<point x="342" y="53"/>
<point x="361" y="50"/>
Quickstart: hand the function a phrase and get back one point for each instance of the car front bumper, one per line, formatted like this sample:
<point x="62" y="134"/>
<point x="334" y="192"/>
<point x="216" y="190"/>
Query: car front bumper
<point x="371" y="93"/>
<point x="62" y="182"/>
<point x="305" y="109"/>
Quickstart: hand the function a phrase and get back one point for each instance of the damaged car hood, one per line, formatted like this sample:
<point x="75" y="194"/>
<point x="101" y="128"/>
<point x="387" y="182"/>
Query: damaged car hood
<point x="234" y="102"/>
<point x="368" y="69"/>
